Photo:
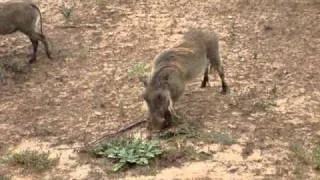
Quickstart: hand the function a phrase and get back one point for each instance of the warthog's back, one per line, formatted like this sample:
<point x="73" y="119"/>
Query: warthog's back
<point x="190" y="56"/>
<point x="14" y="15"/>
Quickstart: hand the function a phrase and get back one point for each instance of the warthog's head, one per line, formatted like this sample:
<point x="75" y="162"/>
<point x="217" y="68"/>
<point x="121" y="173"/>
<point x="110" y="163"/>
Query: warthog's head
<point x="158" y="100"/>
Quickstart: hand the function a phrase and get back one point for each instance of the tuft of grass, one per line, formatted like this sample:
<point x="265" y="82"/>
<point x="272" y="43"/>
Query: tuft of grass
<point x="66" y="11"/>
<point x="1" y="73"/>
<point x="188" y="132"/>
<point x="316" y="157"/>
<point x="307" y="157"/>
<point x="99" y="1"/>
<point x="192" y="154"/>
<point x="264" y="104"/>
<point x="3" y="177"/>
<point x="224" y="138"/>
<point x="301" y="153"/>
<point x="232" y="31"/>
<point x="13" y="65"/>
<point x="128" y="152"/>
<point x="139" y="69"/>
<point x="31" y="160"/>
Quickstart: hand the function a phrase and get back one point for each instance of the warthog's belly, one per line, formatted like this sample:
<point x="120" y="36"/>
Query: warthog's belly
<point x="6" y="27"/>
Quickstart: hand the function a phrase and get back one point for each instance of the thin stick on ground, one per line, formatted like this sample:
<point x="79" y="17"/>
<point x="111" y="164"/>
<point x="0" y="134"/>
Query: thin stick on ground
<point x="105" y="135"/>
<point x="121" y="130"/>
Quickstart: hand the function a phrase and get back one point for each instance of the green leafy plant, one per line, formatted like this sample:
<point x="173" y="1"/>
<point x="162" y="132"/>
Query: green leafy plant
<point x="32" y="160"/>
<point x="126" y="152"/>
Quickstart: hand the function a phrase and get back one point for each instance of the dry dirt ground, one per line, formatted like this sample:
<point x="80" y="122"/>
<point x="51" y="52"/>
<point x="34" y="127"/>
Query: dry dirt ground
<point x="271" y="55"/>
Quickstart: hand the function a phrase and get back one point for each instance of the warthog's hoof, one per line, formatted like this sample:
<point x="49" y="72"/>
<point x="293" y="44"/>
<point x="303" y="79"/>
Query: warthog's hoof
<point x="32" y="60"/>
<point x="49" y="56"/>
<point x="225" y="90"/>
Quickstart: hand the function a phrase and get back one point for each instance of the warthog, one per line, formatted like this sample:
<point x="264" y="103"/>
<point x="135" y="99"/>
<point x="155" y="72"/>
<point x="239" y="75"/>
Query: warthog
<point x="172" y="68"/>
<point x="24" y="17"/>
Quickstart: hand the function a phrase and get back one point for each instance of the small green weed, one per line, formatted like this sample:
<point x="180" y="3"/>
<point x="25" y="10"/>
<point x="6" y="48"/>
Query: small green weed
<point x="188" y="132"/>
<point x="264" y="104"/>
<point x="232" y="31"/>
<point x="138" y="69"/>
<point x="66" y="11"/>
<point x="192" y="154"/>
<point x="301" y="153"/>
<point x="99" y="1"/>
<point x="1" y="72"/>
<point x="316" y="157"/>
<point x="31" y="160"/>
<point x="3" y="177"/>
<point x="126" y="152"/>
<point x="307" y="157"/>
<point x="223" y="138"/>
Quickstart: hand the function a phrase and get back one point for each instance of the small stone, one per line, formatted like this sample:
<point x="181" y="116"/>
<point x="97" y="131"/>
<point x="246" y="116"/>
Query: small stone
<point x="97" y="113"/>
<point x="233" y="169"/>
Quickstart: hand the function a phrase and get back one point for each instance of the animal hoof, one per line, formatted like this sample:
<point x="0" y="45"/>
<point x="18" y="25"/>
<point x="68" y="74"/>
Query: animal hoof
<point x="31" y="61"/>
<point x="225" y="90"/>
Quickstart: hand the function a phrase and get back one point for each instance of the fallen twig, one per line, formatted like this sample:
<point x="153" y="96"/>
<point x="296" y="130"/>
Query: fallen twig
<point x="104" y="135"/>
<point x="121" y="130"/>
<point x="78" y="26"/>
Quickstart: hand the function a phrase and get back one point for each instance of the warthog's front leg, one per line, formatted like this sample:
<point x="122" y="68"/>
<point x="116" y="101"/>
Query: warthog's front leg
<point x="173" y="112"/>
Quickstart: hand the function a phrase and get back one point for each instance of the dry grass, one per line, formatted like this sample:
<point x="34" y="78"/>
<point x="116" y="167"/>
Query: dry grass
<point x="31" y="160"/>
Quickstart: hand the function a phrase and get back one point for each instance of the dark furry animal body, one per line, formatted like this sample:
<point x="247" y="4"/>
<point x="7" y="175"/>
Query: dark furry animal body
<point x="25" y="17"/>
<point x="174" y="67"/>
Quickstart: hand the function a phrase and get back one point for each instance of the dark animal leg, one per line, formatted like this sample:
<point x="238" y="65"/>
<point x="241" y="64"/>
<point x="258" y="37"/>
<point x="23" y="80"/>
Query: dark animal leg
<point x="35" y="37"/>
<point x="34" y="53"/>
<point x="225" y="87"/>
<point x="46" y="46"/>
<point x="205" y="78"/>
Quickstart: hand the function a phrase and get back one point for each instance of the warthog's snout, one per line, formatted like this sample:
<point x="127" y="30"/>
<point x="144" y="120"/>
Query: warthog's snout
<point x="161" y="121"/>
<point x="158" y="102"/>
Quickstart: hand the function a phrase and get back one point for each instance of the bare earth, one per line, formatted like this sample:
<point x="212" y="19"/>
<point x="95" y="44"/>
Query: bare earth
<point x="271" y="55"/>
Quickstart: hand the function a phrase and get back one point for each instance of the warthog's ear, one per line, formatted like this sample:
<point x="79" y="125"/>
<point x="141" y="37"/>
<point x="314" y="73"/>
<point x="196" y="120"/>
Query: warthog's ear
<point x="144" y="80"/>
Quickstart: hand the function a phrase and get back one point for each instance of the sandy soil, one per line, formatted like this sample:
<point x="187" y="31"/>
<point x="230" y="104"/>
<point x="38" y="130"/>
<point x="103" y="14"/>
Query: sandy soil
<point x="271" y="61"/>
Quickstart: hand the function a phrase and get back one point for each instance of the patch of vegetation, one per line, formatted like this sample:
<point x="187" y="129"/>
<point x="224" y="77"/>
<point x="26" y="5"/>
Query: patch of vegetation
<point x="189" y="132"/>
<point x="316" y="156"/>
<point x="139" y="69"/>
<point x="179" y="150"/>
<point x="301" y="153"/>
<point x="307" y="157"/>
<point x="66" y="11"/>
<point x="193" y="155"/>
<point x="265" y="104"/>
<point x="232" y="31"/>
<point x="3" y="177"/>
<point x="1" y="72"/>
<point x="99" y="1"/>
<point x="13" y="65"/>
<point x="224" y="138"/>
<point x="31" y="160"/>
<point x="128" y="152"/>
